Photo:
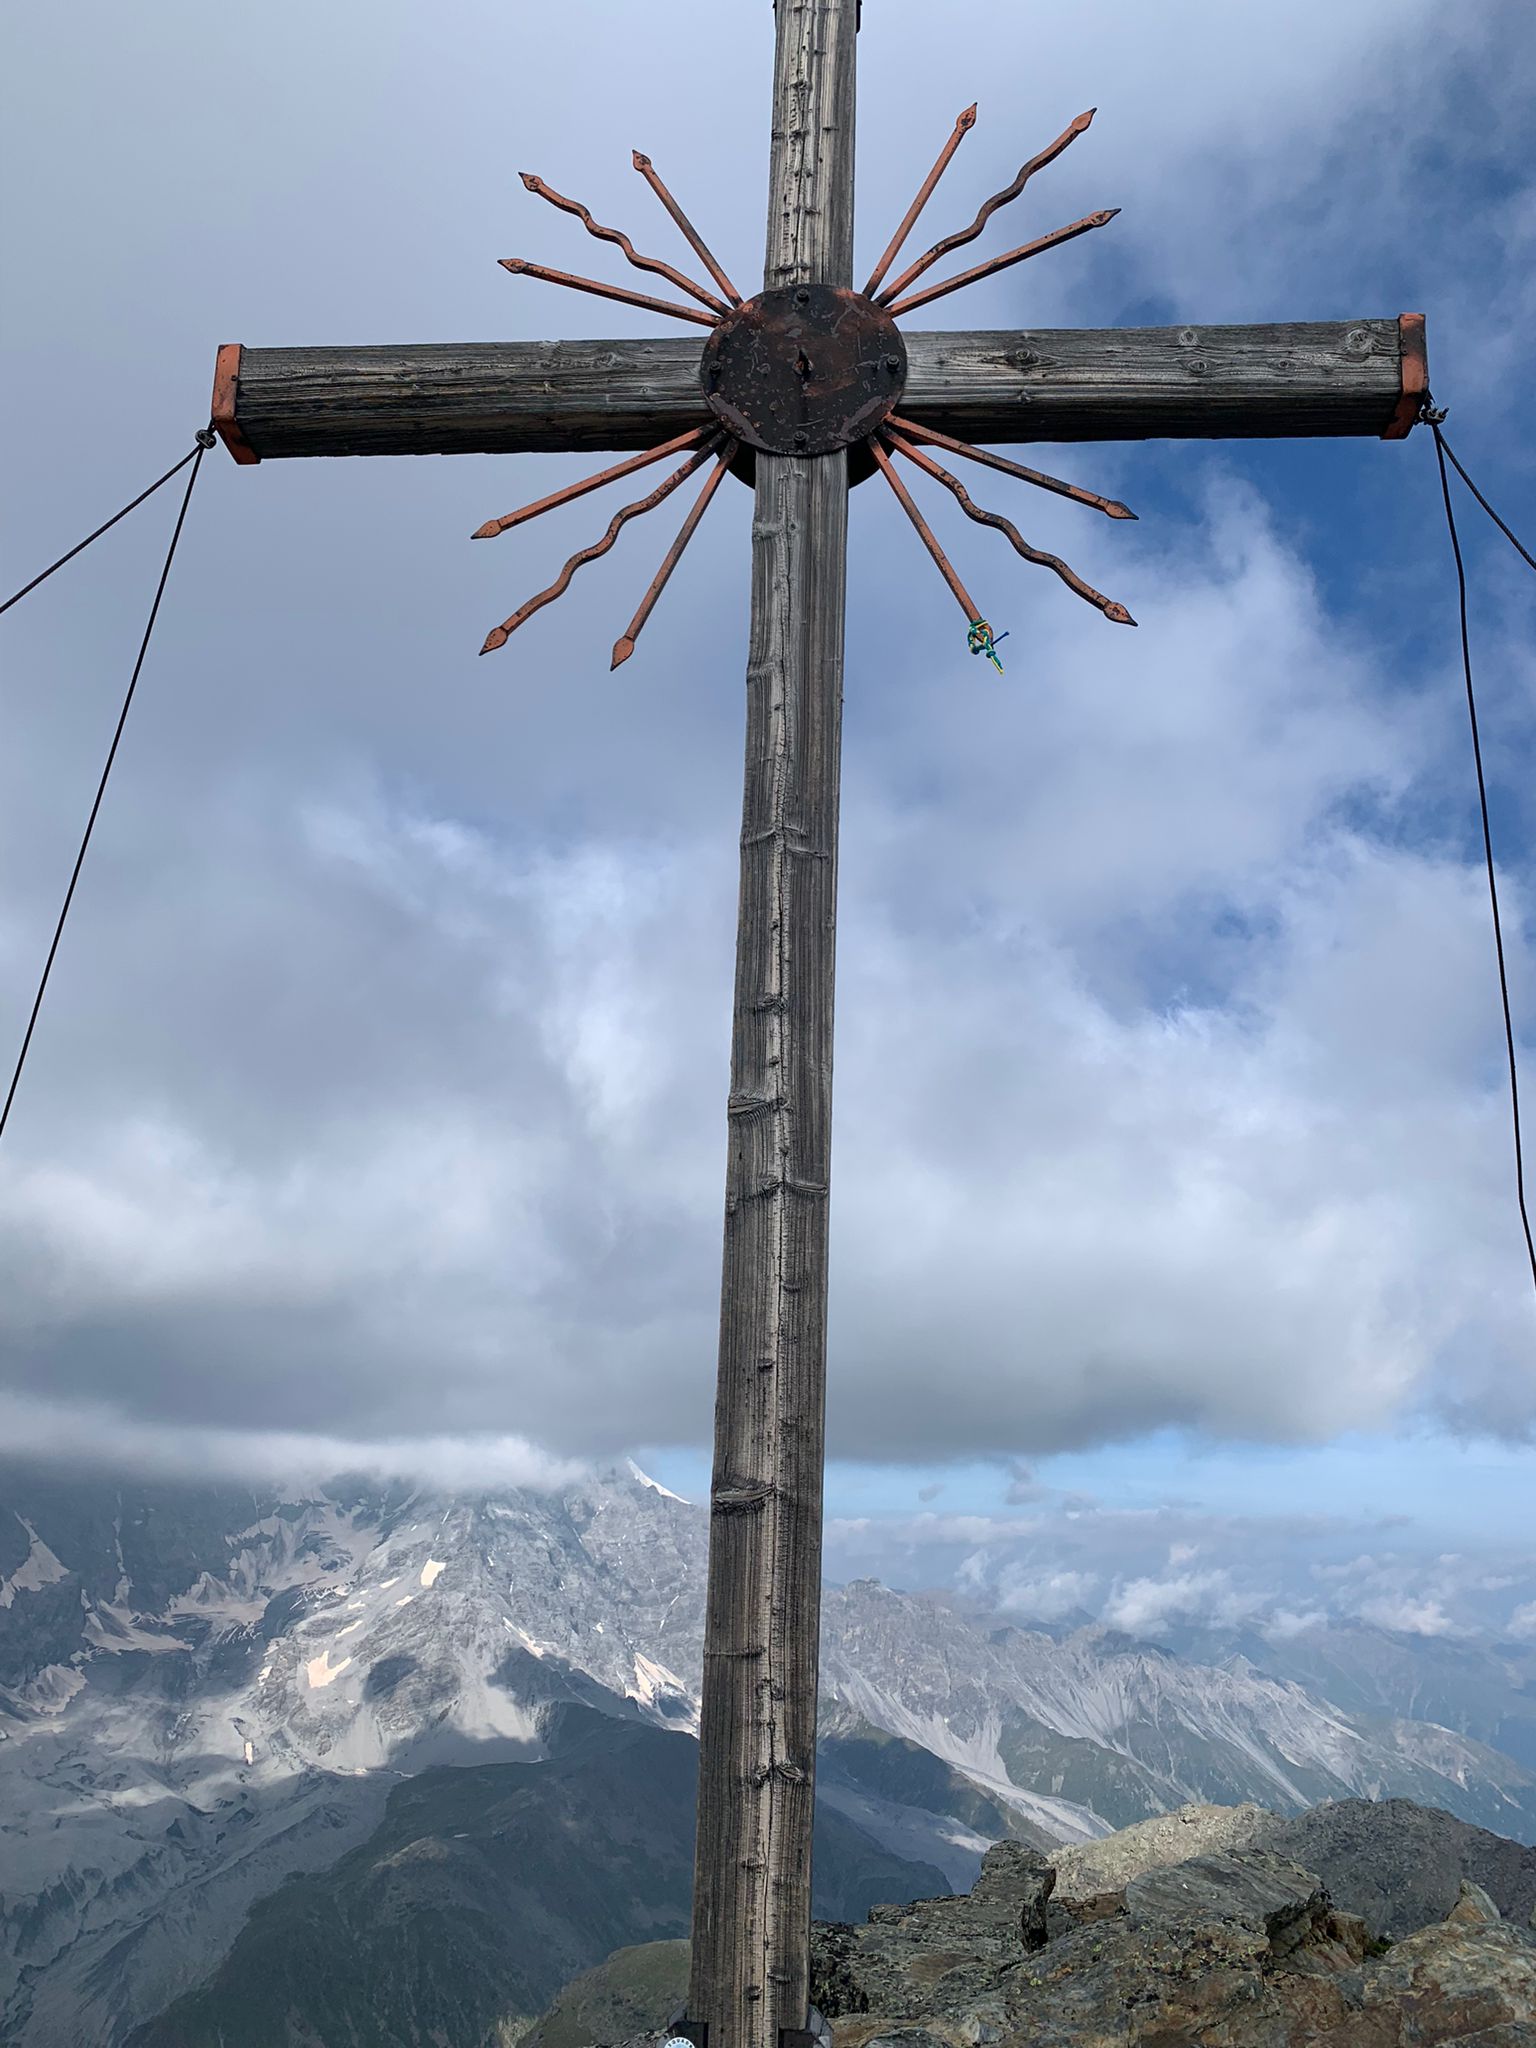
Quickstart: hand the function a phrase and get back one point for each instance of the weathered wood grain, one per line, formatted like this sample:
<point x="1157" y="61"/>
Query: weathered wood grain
<point x="1072" y="384"/>
<point x="1154" y="383"/>
<point x="465" y="398"/>
<point x="750" y="1972"/>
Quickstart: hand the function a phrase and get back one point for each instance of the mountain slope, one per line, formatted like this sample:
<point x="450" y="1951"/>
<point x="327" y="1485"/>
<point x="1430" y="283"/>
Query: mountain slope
<point x="1484" y="1689"/>
<point x="202" y="1690"/>
<point x="484" y="1890"/>
<point x="1097" y="1726"/>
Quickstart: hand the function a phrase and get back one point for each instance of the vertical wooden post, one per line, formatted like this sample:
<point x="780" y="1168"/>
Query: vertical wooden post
<point x="752" y="1869"/>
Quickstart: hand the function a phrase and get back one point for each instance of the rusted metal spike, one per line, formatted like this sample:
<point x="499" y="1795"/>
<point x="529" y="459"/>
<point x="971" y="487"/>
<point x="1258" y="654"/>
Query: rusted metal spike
<point x="624" y="646"/>
<point x="622" y="241"/>
<point x="962" y="596"/>
<point x="592" y="483"/>
<point x="1111" y="507"/>
<point x="1005" y="262"/>
<point x="1074" y="582"/>
<point x="963" y="125"/>
<point x="519" y="267"/>
<point x="1009" y="193"/>
<point x="691" y="235"/>
<point x="500" y="635"/>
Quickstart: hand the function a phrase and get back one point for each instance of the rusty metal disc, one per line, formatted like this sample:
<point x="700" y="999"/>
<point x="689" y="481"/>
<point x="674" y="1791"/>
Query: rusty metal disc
<point x="804" y="370"/>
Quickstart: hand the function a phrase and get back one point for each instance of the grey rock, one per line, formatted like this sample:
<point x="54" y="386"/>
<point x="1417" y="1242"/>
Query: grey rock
<point x="1106" y="1865"/>
<point x="1017" y="1882"/>
<point x="1470" y="1984"/>
<point x="836" y="1989"/>
<point x="1252" y="1888"/>
<point x="1473" y="1908"/>
<point x="1235" y="1949"/>
<point x="1398" y="1865"/>
<point x="1401" y="1866"/>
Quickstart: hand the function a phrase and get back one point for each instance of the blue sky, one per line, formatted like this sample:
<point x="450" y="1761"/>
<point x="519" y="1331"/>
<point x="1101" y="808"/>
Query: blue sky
<point x="1453" y="1492"/>
<point x="376" y="1109"/>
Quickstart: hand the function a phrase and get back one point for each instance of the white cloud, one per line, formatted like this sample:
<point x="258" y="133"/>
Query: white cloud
<point x="1148" y="1607"/>
<point x="379" y="1092"/>
<point x="1281" y="1576"/>
<point x="1290" y="1621"/>
<point x="971" y="1573"/>
<point x="1407" y="1616"/>
<point x="1045" y="1596"/>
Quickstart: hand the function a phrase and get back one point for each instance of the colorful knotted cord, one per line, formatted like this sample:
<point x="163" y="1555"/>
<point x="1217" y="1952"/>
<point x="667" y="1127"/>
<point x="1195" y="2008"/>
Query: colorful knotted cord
<point x="981" y="640"/>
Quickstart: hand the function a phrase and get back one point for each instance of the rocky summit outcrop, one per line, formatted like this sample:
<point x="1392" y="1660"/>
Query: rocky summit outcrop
<point x="1234" y="1948"/>
<point x="1398" y="1865"/>
<point x="1239" y="1942"/>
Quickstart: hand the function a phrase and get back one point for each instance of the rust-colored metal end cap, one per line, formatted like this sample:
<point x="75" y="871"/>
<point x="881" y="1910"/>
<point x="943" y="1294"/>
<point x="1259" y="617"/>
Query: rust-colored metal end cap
<point x="226" y="385"/>
<point x="531" y="180"/>
<point x="513" y="263"/>
<point x="497" y="637"/>
<point x="489" y="531"/>
<point x="1116" y="510"/>
<point x="639" y="159"/>
<point x="1119" y="614"/>
<point x="967" y="119"/>
<point x="1104" y="216"/>
<point x="1414" y="360"/>
<point x="1084" y="121"/>
<point x="622" y="650"/>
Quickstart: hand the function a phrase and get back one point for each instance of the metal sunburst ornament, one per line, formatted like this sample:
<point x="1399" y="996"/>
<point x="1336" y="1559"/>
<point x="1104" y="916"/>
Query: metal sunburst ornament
<point x="806" y="370"/>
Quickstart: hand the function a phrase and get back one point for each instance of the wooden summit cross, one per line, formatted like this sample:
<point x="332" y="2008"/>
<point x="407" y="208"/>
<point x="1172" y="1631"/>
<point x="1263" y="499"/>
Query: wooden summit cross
<point x="804" y="390"/>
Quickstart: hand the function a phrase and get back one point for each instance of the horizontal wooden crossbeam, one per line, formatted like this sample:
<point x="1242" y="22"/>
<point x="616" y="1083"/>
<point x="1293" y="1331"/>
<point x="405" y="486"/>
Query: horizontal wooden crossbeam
<point x="1087" y="384"/>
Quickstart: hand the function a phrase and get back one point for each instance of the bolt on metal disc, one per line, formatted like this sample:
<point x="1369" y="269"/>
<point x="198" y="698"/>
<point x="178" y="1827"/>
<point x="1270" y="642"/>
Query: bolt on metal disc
<point x="804" y="370"/>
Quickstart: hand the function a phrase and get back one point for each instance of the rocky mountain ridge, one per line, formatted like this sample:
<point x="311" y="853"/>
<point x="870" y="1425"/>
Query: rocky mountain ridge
<point x="1232" y="1949"/>
<point x="1217" y="1928"/>
<point x="1097" y="1723"/>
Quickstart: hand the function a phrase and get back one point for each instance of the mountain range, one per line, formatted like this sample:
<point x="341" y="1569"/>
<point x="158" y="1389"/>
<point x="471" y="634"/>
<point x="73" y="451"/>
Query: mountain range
<point x="224" y="1713"/>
